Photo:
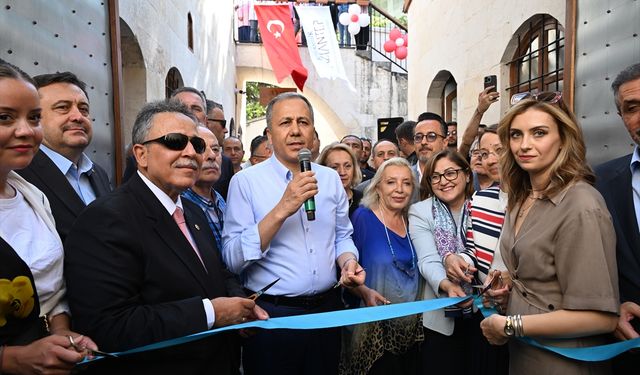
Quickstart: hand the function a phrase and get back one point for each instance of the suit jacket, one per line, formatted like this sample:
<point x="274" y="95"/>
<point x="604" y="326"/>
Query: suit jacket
<point x="614" y="183"/>
<point x="226" y="172"/>
<point x="66" y="205"/>
<point x="134" y="279"/>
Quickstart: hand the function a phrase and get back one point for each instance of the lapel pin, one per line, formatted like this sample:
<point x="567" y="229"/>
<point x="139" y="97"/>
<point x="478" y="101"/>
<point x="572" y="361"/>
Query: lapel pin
<point x="197" y="227"/>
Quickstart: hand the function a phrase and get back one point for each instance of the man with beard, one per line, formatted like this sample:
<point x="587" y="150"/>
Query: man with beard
<point x="203" y="193"/>
<point x="61" y="169"/>
<point x="430" y="137"/>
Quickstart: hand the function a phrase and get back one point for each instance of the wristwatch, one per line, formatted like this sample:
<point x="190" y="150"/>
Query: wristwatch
<point x="508" y="327"/>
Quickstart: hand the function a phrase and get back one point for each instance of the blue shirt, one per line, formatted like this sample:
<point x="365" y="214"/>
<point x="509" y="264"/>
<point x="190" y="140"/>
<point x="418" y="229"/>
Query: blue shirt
<point x="390" y="261"/>
<point x="635" y="181"/>
<point x="214" y="211"/>
<point x="75" y="174"/>
<point x="302" y="253"/>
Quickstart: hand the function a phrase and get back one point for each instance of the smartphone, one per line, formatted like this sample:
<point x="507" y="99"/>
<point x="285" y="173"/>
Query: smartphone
<point x="491" y="80"/>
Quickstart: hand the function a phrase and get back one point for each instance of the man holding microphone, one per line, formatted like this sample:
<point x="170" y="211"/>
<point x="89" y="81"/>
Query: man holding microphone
<point x="268" y="235"/>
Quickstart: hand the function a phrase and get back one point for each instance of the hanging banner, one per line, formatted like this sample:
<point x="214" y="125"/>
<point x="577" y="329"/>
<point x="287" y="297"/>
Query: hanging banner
<point x="322" y="43"/>
<point x="279" y="41"/>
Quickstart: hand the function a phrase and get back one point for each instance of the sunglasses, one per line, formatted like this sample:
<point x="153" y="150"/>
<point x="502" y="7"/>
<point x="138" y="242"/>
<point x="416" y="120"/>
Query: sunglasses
<point x="222" y="122"/>
<point x="551" y="97"/>
<point x="178" y="142"/>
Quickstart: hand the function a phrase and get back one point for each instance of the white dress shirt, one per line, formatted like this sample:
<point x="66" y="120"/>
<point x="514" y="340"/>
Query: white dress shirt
<point x="302" y="253"/>
<point x="170" y="206"/>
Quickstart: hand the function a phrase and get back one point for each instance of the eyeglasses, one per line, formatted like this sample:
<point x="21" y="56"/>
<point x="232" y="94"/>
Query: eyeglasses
<point x="551" y="97"/>
<point x="449" y="175"/>
<point x="453" y="132"/>
<point x="476" y="153"/>
<point x="431" y="137"/>
<point x="178" y="142"/>
<point x="222" y="122"/>
<point x="484" y="154"/>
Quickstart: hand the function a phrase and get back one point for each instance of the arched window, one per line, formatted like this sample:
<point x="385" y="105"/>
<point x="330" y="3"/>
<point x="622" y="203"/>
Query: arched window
<point x="190" y="31"/>
<point x="172" y="82"/>
<point x="538" y="64"/>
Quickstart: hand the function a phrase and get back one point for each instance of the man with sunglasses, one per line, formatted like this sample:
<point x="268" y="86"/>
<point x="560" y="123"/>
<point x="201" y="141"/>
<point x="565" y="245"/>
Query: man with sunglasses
<point x="141" y="264"/>
<point x="619" y="183"/>
<point x="61" y="169"/>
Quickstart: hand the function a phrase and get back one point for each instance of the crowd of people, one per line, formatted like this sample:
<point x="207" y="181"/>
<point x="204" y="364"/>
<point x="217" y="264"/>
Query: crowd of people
<point x="191" y="240"/>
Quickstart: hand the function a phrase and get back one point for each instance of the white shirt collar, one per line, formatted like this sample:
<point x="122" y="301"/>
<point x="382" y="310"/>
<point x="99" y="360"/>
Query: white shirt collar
<point x="166" y="201"/>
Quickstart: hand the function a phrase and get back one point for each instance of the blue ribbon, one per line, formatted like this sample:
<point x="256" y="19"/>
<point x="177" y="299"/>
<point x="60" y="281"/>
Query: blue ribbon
<point x="315" y="321"/>
<point x="590" y="354"/>
<point x="372" y="314"/>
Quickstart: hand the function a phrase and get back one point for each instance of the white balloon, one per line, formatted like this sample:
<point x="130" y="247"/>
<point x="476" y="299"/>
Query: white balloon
<point x="354" y="9"/>
<point x="354" y="28"/>
<point x="344" y="19"/>
<point x="399" y="42"/>
<point x="364" y="20"/>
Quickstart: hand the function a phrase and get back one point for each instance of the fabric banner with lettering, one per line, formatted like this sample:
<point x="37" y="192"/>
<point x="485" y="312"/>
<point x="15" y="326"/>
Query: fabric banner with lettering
<point x="322" y="42"/>
<point x="278" y="38"/>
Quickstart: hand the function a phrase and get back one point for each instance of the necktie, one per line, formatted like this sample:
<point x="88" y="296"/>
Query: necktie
<point x="178" y="216"/>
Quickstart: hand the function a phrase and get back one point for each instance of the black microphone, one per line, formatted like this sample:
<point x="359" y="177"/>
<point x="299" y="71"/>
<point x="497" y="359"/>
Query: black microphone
<point x="304" y="157"/>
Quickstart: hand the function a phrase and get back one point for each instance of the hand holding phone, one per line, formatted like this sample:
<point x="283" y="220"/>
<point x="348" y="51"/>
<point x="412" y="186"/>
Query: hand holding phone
<point x="491" y="80"/>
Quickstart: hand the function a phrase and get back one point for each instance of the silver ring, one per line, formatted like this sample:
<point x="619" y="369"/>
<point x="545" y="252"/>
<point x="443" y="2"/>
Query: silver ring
<point x="244" y="319"/>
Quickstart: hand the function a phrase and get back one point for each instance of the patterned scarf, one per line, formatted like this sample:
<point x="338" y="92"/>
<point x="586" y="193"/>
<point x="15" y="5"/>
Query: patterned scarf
<point x="449" y="239"/>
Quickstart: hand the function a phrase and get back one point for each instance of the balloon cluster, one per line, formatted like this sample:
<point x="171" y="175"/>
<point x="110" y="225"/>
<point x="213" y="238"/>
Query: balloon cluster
<point x="353" y="19"/>
<point x="397" y="43"/>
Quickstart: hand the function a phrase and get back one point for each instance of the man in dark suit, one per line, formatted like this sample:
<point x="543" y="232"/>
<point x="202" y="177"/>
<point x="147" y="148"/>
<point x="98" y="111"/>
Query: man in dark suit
<point x="218" y="126"/>
<point x="619" y="183"/>
<point x="142" y="265"/>
<point x="61" y="169"/>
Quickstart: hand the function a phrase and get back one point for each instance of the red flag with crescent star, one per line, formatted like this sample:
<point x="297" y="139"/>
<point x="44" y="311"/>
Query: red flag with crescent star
<point x="276" y="29"/>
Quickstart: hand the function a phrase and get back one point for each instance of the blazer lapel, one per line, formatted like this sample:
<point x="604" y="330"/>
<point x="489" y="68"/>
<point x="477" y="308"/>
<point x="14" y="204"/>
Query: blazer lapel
<point x="623" y="207"/>
<point x="167" y="230"/>
<point x="57" y="183"/>
<point x="98" y="183"/>
<point x="203" y="237"/>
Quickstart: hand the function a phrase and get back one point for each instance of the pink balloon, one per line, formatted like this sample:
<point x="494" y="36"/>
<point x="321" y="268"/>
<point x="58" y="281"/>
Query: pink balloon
<point x="354" y="18"/>
<point x="406" y="39"/>
<point x="395" y="34"/>
<point x="389" y="46"/>
<point x="401" y="52"/>
<point x="399" y="42"/>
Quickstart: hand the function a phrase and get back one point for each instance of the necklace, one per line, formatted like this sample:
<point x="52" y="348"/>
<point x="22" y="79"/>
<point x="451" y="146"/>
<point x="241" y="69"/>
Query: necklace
<point x="409" y="271"/>
<point x="523" y="210"/>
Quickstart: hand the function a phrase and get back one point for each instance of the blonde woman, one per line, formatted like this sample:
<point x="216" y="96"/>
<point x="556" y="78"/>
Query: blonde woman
<point x="380" y="232"/>
<point x="558" y="243"/>
<point x="341" y="158"/>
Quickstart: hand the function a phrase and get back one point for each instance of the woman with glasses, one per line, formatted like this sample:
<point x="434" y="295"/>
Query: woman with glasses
<point x="35" y="333"/>
<point x="381" y="235"/>
<point x="486" y="217"/>
<point x="558" y="243"/>
<point x="437" y="224"/>
<point x="340" y="157"/>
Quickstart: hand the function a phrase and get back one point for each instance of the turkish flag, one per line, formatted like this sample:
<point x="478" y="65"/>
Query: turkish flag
<point x="276" y="29"/>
